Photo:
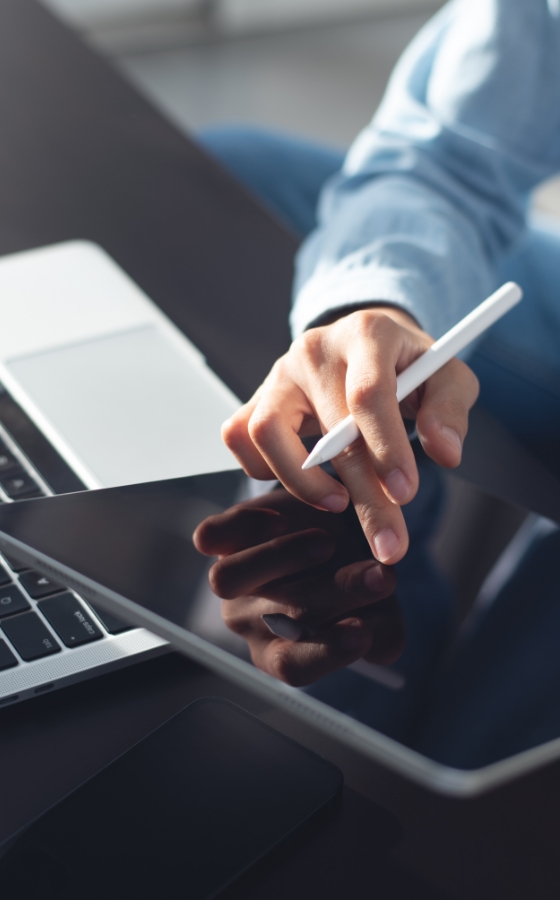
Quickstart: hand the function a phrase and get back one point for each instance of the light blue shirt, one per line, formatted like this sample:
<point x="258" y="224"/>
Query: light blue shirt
<point x="435" y="190"/>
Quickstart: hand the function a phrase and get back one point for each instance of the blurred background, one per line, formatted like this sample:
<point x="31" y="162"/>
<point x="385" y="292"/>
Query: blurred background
<point x="317" y="67"/>
<point x="313" y="67"/>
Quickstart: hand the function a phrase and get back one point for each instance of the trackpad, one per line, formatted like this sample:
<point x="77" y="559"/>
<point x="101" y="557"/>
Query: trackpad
<point x="131" y="406"/>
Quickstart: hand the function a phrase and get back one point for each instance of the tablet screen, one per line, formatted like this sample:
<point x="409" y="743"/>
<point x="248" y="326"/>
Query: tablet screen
<point x="465" y="696"/>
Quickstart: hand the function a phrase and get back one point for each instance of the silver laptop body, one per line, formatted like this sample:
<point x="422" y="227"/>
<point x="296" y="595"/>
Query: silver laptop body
<point x="98" y="388"/>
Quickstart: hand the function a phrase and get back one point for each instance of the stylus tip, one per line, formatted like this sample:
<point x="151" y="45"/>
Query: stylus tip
<point x="314" y="459"/>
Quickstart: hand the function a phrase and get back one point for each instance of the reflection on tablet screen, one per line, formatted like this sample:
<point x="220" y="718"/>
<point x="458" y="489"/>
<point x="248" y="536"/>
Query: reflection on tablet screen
<point x="466" y="696"/>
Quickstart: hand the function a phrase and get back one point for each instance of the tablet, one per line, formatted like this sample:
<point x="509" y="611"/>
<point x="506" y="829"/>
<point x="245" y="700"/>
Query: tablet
<point x="130" y="551"/>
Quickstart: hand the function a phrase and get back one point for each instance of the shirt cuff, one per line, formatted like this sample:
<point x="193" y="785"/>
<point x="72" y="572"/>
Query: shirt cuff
<point x="335" y="290"/>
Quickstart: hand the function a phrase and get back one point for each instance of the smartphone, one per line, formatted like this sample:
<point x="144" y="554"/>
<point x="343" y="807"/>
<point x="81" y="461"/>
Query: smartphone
<point x="181" y="814"/>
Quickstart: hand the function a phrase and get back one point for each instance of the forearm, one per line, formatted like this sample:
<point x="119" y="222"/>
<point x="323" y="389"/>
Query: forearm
<point x="435" y="190"/>
<point x="405" y="246"/>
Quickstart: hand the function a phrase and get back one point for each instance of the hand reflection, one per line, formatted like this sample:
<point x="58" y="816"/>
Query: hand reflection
<point x="280" y="557"/>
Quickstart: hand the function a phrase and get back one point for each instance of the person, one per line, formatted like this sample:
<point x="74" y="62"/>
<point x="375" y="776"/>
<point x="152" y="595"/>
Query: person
<point x="423" y="218"/>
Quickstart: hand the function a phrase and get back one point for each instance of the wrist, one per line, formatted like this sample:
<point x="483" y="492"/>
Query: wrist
<point x="397" y="313"/>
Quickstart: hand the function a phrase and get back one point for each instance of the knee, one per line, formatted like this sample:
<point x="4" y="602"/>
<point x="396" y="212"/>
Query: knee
<point x="233" y="145"/>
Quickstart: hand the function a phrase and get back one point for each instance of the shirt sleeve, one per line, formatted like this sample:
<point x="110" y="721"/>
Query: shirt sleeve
<point x="436" y="188"/>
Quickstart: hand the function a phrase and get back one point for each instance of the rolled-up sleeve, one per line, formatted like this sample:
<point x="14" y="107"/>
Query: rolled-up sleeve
<point x="436" y="188"/>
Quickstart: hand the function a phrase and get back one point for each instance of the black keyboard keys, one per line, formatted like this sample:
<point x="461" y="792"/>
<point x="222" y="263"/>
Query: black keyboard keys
<point x="19" y="485"/>
<point x="38" y="585"/>
<point x="5" y="576"/>
<point x="12" y="601"/>
<point x="30" y="636"/>
<point x="7" y="658"/>
<point x="14" y="563"/>
<point x="110" y="622"/>
<point x="73" y="623"/>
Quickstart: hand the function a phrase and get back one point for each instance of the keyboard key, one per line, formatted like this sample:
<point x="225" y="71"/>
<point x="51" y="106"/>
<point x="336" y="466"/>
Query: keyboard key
<point x="20" y="484"/>
<point x="14" y="563"/>
<point x="110" y="622"/>
<point x="5" y="576"/>
<point x="30" y="636"/>
<point x="12" y="601"/>
<point x="8" y="462"/>
<point x="7" y="658"/>
<point x="38" y="585"/>
<point x="73" y="623"/>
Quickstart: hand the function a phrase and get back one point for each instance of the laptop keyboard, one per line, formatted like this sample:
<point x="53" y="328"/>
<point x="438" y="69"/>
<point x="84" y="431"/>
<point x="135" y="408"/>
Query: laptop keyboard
<point x="38" y="616"/>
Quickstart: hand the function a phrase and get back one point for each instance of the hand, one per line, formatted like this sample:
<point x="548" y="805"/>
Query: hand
<point x="279" y="557"/>
<point x="351" y="365"/>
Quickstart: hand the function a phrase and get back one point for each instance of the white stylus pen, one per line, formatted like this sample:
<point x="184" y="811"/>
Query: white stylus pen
<point x="448" y="346"/>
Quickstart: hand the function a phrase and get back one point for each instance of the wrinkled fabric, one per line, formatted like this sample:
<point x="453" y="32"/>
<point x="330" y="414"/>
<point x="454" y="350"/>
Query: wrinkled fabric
<point x="433" y="193"/>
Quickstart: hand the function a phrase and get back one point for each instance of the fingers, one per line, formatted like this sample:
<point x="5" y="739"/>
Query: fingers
<point x="245" y="572"/>
<point x="264" y="437"/>
<point x="442" y="420"/>
<point x="237" y="529"/>
<point x="379" y="469"/>
<point x="377" y="638"/>
<point x="383" y="522"/>
<point x="351" y="365"/>
<point x="310" y="603"/>
<point x="274" y="429"/>
<point x="296" y="579"/>
<point x="361" y="582"/>
<point x="371" y="397"/>
<point x="235" y="435"/>
<point x="298" y="664"/>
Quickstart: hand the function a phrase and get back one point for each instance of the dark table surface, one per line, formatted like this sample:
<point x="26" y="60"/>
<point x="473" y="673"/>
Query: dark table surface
<point x="82" y="155"/>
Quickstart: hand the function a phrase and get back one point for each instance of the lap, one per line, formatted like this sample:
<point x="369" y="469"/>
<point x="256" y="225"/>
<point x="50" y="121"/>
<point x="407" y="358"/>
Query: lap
<point x="518" y="361"/>
<point x="286" y="173"/>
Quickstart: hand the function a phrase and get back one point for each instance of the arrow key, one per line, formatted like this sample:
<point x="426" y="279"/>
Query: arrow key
<point x="38" y="585"/>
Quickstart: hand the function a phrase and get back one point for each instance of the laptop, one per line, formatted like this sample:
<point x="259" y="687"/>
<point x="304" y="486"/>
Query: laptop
<point x="98" y="388"/>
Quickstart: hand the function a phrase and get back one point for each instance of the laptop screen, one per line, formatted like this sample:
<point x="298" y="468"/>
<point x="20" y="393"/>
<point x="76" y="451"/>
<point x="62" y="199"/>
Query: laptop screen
<point x="131" y="549"/>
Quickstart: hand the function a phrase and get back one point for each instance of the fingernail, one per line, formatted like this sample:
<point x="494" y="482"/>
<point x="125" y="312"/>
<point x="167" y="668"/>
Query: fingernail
<point x="398" y="485"/>
<point x="334" y="503"/>
<point x="452" y="437"/>
<point x="353" y="635"/>
<point x="284" y="627"/>
<point x="385" y="544"/>
<point x="374" y="578"/>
